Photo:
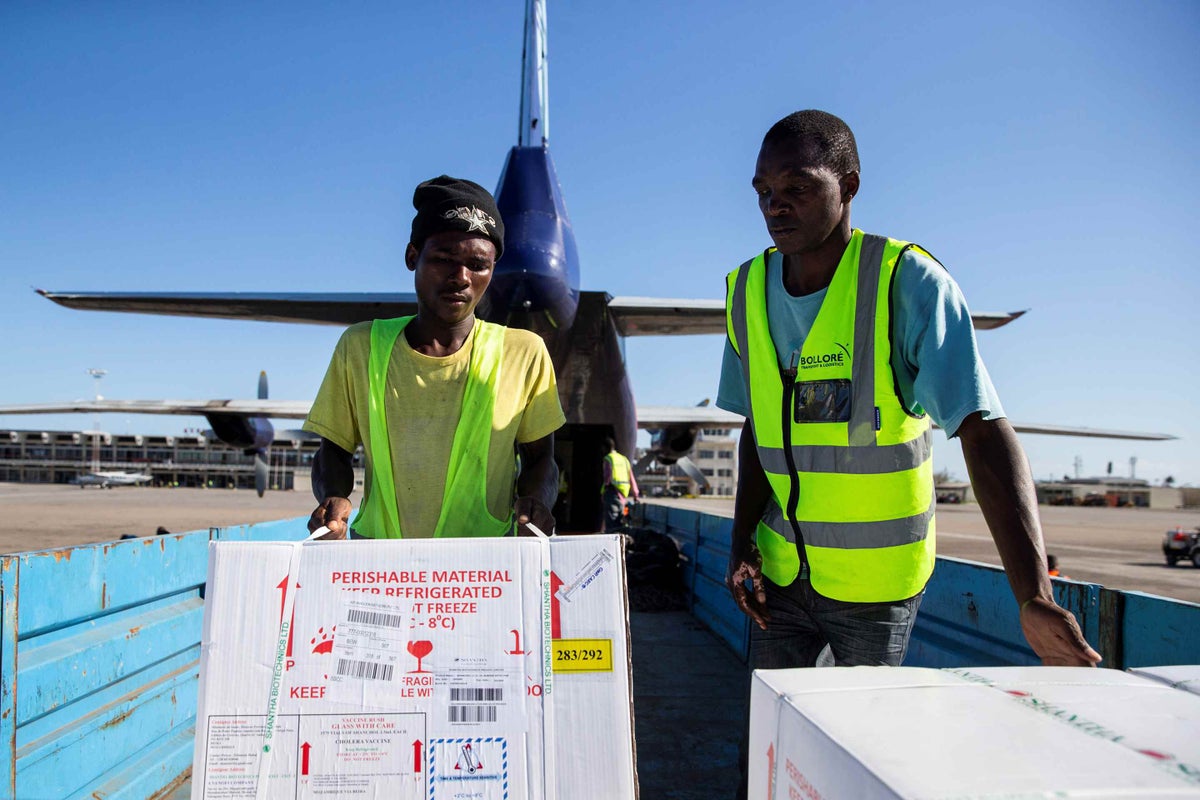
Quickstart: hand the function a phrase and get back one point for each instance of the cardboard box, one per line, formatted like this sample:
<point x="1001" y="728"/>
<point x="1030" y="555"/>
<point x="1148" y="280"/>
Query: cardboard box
<point x="1184" y="677"/>
<point x="465" y="669"/>
<point x="901" y="732"/>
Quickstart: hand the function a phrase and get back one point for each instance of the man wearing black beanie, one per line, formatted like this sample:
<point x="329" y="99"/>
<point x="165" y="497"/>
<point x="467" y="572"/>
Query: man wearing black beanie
<point x="442" y="402"/>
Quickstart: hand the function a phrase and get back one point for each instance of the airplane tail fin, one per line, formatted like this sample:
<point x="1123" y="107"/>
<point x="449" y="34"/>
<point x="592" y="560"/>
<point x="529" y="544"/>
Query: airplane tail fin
<point x="535" y="84"/>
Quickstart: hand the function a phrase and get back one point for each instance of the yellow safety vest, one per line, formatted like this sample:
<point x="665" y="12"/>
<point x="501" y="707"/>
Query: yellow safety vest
<point x="464" y="501"/>
<point x="620" y="470"/>
<point x="851" y="470"/>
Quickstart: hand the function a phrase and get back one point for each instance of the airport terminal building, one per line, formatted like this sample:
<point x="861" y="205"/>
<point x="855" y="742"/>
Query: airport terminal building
<point x="199" y="460"/>
<point x="1115" y="492"/>
<point x="37" y="456"/>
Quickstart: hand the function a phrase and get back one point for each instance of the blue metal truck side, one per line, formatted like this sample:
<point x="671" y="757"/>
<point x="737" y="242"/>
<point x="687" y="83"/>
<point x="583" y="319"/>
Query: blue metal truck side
<point x="100" y="646"/>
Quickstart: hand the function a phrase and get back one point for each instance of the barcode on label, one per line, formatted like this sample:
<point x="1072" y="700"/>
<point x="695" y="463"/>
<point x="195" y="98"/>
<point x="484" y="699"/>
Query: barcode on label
<point x="472" y="713"/>
<point x="477" y="695"/>
<point x="375" y="618"/>
<point x="371" y="670"/>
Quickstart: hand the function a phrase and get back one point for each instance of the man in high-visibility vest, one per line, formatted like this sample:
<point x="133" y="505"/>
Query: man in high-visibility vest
<point x="841" y="347"/>
<point x="441" y="402"/>
<point x="619" y="485"/>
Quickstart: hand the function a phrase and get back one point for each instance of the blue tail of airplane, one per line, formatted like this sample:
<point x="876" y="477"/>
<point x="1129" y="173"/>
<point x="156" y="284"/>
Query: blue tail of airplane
<point x="536" y="282"/>
<point x="538" y="275"/>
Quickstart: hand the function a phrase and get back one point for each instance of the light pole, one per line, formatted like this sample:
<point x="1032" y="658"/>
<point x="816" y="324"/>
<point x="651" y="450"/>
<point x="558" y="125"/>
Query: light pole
<point x="98" y="375"/>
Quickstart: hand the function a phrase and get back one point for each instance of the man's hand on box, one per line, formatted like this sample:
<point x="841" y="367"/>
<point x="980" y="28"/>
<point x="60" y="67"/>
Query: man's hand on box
<point x="530" y="509"/>
<point x="1054" y="635"/>
<point x="334" y="514"/>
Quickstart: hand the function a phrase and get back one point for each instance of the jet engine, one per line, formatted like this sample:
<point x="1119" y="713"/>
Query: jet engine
<point x="670" y="445"/>
<point x="252" y="435"/>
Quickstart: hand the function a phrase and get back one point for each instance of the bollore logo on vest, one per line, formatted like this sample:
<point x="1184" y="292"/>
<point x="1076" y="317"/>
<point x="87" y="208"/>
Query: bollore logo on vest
<point x="831" y="359"/>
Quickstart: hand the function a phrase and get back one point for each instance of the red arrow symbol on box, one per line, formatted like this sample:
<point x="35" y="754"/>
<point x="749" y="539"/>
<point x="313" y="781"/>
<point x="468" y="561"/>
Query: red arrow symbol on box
<point x="771" y="770"/>
<point x="417" y="761"/>
<point x="555" y="621"/>
<point x="282" y="587"/>
<point x="304" y="748"/>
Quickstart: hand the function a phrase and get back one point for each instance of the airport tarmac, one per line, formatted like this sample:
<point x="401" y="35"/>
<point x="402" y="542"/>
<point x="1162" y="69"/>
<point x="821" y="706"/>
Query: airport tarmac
<point x="1117" y="547"/>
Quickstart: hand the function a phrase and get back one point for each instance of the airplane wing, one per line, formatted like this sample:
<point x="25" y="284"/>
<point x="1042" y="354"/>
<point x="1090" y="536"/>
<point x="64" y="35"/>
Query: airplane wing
<point x="653" y="316"/>
<point x="661" y="416"/>
<point x="278" y="409"/>
<point x="649" y="417"/>
<point x="333" y="308"/>
<point x="986" y="321"/>
<point x="1095" y="433"/>
<point x="634" y="316"/>
<point x="654" y="417"/>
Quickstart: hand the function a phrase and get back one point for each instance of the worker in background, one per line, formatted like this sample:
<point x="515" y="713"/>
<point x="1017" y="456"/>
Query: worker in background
<point x="619" y="486"/>
<point x="842" y="347"/>
<point x="441" y="401"/>
<point x="1052" y="566"/>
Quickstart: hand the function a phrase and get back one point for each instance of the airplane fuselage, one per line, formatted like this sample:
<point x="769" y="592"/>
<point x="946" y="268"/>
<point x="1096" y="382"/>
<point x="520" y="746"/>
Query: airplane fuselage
<point x="535" y="286"/>
<point x="107" y="480"/>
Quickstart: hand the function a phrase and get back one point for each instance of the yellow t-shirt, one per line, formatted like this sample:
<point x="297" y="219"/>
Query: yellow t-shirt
<point x="424" y="395"/>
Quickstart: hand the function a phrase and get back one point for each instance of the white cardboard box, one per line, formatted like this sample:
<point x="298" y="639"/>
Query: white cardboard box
<point x="416" y="669"/>
<point x="902" y="732"/>
<point x="1185" y="677"/>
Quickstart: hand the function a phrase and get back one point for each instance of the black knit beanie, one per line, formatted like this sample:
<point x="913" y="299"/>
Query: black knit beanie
<point x="453" y="204"/>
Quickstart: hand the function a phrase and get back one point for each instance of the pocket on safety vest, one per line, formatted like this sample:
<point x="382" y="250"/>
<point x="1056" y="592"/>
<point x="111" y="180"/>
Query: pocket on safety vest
<point x="822" y="401"/>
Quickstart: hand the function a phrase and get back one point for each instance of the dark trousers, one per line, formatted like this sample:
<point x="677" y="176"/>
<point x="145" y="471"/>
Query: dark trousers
<point x="613" y="503"/>
<point x="803" y="624"/>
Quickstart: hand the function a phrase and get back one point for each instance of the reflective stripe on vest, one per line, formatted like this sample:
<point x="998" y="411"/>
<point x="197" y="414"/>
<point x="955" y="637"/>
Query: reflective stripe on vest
<point x="865" y="502"/>
<point x="464" y="500"/>
<point x="619" y="469"/>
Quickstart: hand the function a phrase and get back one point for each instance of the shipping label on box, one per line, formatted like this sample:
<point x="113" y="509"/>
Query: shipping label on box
<point x="419" y="669"/>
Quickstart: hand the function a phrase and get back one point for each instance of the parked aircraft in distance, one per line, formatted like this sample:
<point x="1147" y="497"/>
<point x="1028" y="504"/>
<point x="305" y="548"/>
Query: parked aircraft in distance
<point x="107" y="480"/>
<point x="535" y="285"/>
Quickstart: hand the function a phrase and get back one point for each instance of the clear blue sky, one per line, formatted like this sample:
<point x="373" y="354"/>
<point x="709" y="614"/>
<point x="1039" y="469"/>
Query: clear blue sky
<point x="1045" y="152"/>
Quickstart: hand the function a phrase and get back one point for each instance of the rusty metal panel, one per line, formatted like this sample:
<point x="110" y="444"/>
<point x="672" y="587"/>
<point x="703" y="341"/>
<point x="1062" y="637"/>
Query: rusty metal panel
<point x="133" y="724"/>
<point x="680" y="525"/>
<point x="75" y="584"/>
<point x="99" y="652"/>
<point x="1157" y="631"/>
<point x="714" y="607"/>
<point x="9" y="574"/>
<point x="704" y="541"/>
<point x="1111" y="640"/>
<point x="99" y="664"/>
<point x="103" y="651"/>
<point x="967" y="618"/>
<point x="159" y="774"/>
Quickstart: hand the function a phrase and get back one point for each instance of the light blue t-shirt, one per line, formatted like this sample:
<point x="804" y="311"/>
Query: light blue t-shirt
<point x="934" y="355"/>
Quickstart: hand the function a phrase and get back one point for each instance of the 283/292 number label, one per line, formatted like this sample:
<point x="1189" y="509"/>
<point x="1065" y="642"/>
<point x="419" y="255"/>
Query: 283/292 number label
<point x="583" y="655"/>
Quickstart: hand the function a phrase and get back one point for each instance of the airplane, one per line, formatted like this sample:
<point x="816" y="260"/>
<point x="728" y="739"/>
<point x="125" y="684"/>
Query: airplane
<point x="535" y="285"/>
<point x="107" y="480"/>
